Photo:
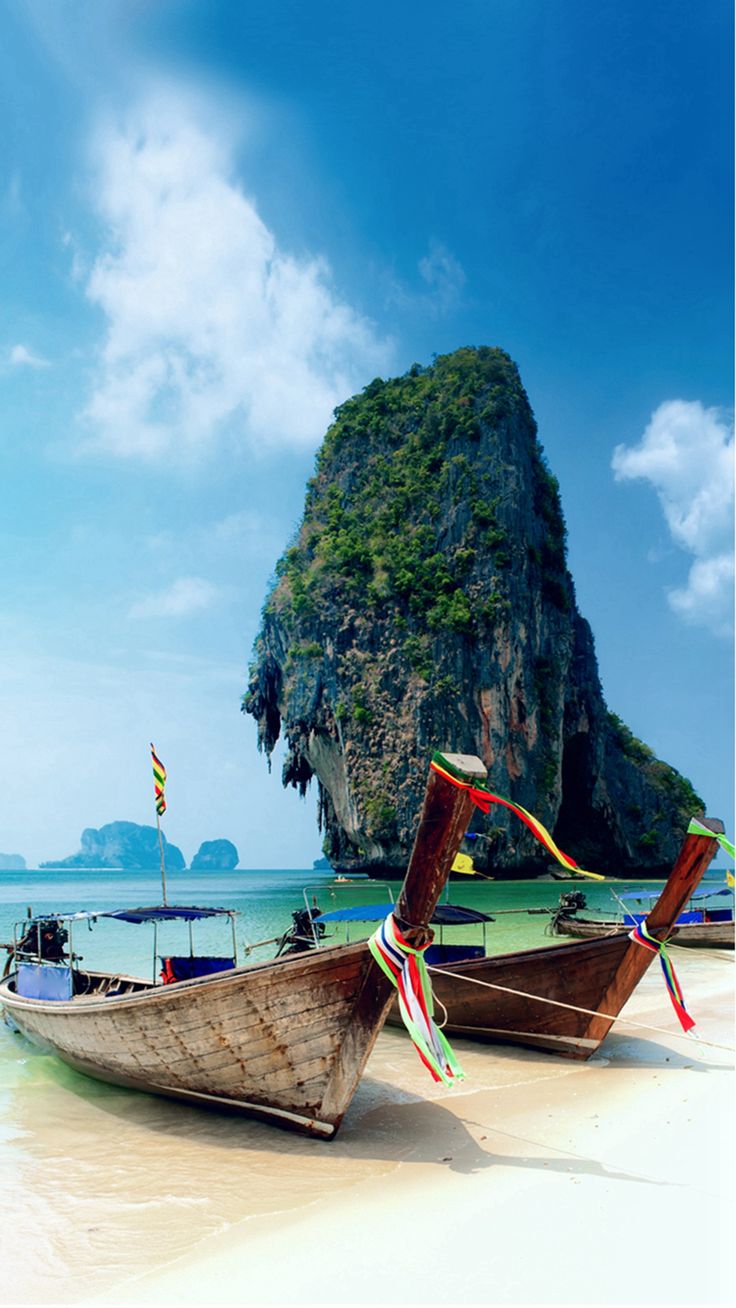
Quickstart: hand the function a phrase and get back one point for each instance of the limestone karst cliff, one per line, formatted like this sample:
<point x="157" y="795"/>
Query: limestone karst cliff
<point x="426" y="604"/>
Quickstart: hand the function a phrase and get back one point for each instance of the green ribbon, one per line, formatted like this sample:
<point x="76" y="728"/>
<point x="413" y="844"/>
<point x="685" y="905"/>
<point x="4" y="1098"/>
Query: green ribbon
<point x="696" y="828"/>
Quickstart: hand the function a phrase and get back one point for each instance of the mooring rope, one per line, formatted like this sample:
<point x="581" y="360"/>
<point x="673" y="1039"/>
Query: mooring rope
<point x="574" y="1008"/>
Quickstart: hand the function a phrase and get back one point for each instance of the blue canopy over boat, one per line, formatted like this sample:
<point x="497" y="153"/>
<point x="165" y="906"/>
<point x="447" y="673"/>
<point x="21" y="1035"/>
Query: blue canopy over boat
<point x="444" y="914"/>
<point x="156" y="913"/>
<point x="166" y="913"/>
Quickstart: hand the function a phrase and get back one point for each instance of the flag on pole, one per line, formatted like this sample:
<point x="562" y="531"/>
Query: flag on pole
<point x="159" y="781"/>
<point x="463" y="863"/>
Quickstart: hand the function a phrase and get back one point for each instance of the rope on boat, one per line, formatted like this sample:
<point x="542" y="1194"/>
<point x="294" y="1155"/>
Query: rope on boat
<point x="574" y="1008"/>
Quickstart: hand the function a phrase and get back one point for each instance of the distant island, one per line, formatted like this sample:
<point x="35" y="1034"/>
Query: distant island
<point x="130" y="846"/>
<point x="321" y="865"/>
<point x="121" y="845"/>
<point x="215" y="855"/>
<point x="12" y="863"/>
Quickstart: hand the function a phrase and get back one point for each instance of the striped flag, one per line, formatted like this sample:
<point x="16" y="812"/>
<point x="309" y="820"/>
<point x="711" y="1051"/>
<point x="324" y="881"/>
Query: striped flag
<point x="159" y="781"/>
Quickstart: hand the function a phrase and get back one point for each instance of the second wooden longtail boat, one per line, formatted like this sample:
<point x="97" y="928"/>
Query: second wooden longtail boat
<point x="285" y="1040"/>
<point x="564" y="998"/>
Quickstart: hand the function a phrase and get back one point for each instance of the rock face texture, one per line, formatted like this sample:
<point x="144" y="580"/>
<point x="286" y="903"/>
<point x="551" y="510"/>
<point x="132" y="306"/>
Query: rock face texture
<point x="426" y="604"/>
<point x="215" y="855"/>
<point x="121" y="844"/>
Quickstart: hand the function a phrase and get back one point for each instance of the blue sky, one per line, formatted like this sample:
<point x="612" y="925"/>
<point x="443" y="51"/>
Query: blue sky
<point x="222" y="219"/>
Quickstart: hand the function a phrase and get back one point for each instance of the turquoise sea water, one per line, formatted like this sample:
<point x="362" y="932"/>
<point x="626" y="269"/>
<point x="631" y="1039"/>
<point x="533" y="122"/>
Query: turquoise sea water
<point x="264" y="901"/>
<point x="103" y="1178"/>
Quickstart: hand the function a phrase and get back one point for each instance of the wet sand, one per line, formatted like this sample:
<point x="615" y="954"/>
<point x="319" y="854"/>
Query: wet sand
<point x="538" y="1181"/>
<point x="535" y="1181"/>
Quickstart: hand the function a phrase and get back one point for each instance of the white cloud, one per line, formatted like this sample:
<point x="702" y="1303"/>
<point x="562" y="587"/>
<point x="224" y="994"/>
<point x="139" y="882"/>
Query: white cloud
<point x="209" y="322"/>
<point x="706" y="598"/>
<point x="185" y="596"/>
<point x="686" y="453"/>
<point x="21" y="357"/>
<point x="444" y="276"/>
<point x="13" y="197"/>
<point x="241" y="526"/>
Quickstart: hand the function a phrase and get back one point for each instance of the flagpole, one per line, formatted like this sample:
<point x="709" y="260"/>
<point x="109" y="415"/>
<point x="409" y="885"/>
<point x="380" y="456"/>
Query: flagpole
<point x="163" y="865"/>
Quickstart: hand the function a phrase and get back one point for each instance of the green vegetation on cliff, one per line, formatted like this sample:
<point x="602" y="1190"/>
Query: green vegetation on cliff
<point x="662" y="778"/>
<point x="372" y="533"/>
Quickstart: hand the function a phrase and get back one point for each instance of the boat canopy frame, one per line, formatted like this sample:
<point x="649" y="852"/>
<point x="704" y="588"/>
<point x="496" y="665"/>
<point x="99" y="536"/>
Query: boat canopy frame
<point x="151" y="915"/>
<point x="444" y="915"/>
<point x="321" y="917"/>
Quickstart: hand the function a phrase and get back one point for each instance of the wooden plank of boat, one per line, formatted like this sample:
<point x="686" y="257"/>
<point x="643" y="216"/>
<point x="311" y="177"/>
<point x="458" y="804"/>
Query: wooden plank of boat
<point x="286" y="1040"/>
<point x="597" y="975"/>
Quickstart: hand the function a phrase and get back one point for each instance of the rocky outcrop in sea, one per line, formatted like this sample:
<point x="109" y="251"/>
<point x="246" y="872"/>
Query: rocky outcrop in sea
<point x="426" y="604"/>
<point x="121" y="845"/>
<point x="215" y="855"/>
<point x="12" y="863"/>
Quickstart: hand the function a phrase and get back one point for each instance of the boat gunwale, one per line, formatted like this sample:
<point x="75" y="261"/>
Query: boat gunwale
<point x="154" y="994"/>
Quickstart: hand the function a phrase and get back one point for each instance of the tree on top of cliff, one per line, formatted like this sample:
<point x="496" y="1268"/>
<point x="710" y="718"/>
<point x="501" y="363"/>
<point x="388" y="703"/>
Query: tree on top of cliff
<point x="426" y="603"/>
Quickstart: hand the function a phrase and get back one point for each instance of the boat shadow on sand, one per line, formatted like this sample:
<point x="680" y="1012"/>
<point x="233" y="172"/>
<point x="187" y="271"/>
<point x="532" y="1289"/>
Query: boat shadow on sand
<point x="626" y="1051"/>
<point x="385" y="1127"/>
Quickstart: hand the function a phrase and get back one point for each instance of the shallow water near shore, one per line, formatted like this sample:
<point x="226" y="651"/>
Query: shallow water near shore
<point x="106" y="1185"/>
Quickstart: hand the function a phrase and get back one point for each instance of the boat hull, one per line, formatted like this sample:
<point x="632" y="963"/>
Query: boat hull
<point x="691" y="935"/>
<point x="516" y="998"/>
<point x="271" y="1041"/>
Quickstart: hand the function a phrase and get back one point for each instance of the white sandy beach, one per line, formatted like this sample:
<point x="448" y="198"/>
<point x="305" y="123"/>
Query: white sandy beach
<point x="537" y="1181"/>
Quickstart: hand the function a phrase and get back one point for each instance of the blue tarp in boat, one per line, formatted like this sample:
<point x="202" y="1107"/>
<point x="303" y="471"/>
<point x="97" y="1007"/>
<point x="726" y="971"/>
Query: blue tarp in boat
<point x="45" y="981"/>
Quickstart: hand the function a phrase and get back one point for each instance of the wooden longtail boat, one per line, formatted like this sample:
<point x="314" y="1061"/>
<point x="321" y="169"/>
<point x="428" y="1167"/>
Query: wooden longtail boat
<point x="285" y="1040"/>
<point x="597" y="975"/>
<point x="696" y="928"/>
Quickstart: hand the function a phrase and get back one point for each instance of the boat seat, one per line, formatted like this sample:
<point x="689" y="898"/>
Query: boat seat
<point x="114" y="987"/>
<point x="184" y="967"/>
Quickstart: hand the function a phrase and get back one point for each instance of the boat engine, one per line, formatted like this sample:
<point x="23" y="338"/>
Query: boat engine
<point x="570" y="902"/>
<point x="304" y="933"/>
<point x="44" y="939"/>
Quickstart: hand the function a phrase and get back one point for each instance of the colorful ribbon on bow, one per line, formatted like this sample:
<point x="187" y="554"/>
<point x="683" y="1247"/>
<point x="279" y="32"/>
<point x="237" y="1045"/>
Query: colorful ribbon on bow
<point x="484" y="798"/>
<point x="407" y="970"/>
<point x="642" y="937"/>
<point x="696" y="828"/>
